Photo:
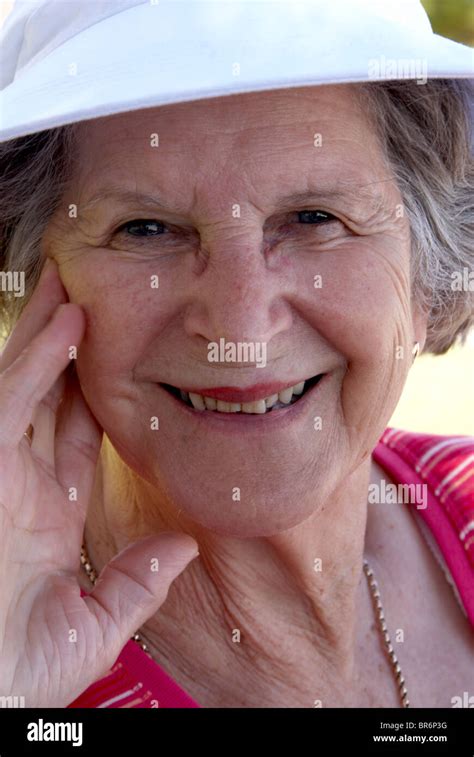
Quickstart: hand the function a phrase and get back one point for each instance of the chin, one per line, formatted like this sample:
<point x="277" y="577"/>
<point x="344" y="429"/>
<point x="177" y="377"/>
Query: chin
<point x="241" y="502"/>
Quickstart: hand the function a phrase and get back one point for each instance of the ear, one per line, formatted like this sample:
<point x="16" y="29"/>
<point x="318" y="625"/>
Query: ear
<point x="420" y="325"/>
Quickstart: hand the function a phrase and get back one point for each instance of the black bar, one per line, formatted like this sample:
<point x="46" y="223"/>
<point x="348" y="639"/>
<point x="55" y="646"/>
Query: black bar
<point x="311" y="732"/>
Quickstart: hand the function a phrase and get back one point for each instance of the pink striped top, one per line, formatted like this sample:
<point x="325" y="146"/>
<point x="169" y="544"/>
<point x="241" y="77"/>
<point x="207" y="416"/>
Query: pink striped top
<point x="445" y="464"/>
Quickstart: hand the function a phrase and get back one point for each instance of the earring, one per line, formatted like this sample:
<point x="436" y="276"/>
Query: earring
<point x="415" y="351"/>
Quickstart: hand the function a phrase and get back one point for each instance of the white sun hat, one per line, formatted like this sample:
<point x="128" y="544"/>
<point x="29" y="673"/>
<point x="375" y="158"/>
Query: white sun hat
<point x="63" y="61"/>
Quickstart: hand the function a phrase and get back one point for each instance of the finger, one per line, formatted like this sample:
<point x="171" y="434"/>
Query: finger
<point x="130" y="589"/>
<point x="77" y="442"/>
<point x="48" y="294"/>
<point x="44" y="423"/>
<point x="24" y="383"/>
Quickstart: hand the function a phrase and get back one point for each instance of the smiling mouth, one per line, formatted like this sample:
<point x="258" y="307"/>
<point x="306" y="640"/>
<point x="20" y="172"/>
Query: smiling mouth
<point x="285" y="397"/>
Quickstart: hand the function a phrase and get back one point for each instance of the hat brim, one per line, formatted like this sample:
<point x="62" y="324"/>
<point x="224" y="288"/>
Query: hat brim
<point x="131" y="61"/>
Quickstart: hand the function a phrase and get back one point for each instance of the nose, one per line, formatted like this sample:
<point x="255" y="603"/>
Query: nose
<point x="238" y="296"/>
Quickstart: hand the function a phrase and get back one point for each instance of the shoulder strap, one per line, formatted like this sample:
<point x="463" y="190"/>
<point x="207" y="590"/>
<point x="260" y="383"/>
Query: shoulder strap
<point x="445" y="465"/>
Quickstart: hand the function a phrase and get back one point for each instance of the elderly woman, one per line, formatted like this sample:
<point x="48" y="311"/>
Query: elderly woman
<point x="232" y="293"/>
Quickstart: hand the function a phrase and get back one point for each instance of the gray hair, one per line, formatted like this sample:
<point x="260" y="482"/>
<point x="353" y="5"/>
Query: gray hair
<point x="425" y="132"/>
<point x="426" y="135"/>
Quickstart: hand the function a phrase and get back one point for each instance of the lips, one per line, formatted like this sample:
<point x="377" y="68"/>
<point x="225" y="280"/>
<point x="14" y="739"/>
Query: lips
<point x="258" y="399"/>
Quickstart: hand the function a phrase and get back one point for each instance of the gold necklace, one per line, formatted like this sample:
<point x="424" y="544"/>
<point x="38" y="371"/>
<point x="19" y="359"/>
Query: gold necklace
<point x="376" y="602"/>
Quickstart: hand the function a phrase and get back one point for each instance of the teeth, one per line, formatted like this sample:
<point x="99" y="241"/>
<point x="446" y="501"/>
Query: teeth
<point x="254" y="407"/>
<point x="260" y="406"/>
<point x="272" y="400"/>
<point x="286" y="395"/>
<point x="298" y="389"/>
<point x="197" y="401"/>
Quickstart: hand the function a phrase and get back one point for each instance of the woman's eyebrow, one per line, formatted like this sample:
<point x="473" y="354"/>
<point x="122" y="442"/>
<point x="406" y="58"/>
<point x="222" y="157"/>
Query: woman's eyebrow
<point x="354" y="194"/>
<point x="124" y="196"/>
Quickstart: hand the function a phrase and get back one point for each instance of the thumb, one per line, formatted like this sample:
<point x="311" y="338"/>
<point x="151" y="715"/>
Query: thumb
<point x="134" y="585"/>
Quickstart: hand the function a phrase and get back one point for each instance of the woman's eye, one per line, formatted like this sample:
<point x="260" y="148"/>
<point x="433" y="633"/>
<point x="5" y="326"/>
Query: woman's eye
<point x="149" y="227"/>
<point x="315" y="216"/>
<point x="142" y="227"/>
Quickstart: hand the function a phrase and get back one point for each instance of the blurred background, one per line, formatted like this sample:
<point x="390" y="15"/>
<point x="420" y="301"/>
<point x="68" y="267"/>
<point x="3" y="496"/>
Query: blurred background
<point x="439" y="394"/>
<point x="452" y="18"/>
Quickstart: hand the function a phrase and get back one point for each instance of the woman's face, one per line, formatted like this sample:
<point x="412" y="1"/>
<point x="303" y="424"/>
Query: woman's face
<point x="210" y="201"/>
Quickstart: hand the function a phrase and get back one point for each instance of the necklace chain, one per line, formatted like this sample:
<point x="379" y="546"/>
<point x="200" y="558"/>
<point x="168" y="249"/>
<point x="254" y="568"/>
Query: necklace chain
<point x="379" y="614"/>
<point x="376" y="602"/>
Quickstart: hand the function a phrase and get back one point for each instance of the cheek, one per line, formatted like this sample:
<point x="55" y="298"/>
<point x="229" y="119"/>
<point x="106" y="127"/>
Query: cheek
<point x="124" y="314"/>
<point x="361" y="308"/>
<point x="357" y="296"/>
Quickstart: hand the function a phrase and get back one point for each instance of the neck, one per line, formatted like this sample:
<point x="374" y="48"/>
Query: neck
<point x="274" y="613"/>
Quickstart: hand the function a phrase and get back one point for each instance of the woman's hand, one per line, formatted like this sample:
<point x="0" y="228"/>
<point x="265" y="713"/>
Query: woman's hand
<point x="53" y="643"/>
